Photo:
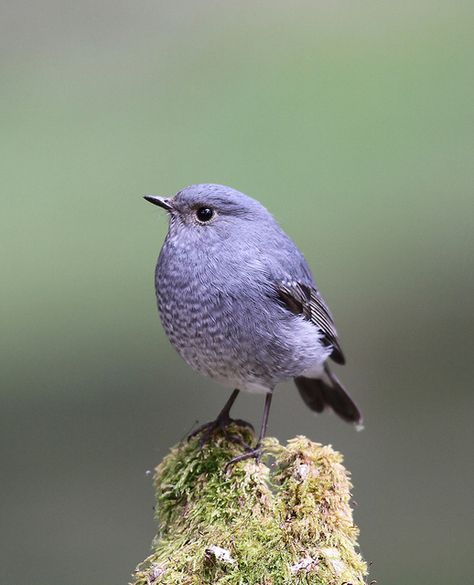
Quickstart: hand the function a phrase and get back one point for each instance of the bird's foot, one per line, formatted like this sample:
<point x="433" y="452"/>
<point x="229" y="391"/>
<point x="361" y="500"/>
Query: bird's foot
<point x="251" y="453"/>
<point x="221" y="423"/>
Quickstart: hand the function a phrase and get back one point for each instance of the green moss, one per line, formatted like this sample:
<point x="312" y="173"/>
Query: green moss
<point x="285" y="523"/>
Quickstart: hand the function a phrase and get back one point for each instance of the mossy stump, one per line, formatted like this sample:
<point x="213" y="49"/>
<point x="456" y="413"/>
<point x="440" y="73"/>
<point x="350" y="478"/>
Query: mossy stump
<point x="255" y="524"/>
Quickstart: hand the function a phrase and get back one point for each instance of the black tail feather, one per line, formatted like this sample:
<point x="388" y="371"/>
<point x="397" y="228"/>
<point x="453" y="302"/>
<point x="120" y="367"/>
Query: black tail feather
<point x="317" y="394"/>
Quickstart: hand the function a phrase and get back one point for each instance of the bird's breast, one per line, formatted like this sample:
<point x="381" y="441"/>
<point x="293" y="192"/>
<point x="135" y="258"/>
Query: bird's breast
<point x="195" y="307"/>
<point x="223" y="321"/>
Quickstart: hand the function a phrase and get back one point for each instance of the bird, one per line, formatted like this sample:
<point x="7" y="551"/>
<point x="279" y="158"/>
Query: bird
<point x="238" y="302"/>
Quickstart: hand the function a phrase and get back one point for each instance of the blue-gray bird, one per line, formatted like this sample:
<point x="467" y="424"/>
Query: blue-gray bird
<point x="238" y="302"/>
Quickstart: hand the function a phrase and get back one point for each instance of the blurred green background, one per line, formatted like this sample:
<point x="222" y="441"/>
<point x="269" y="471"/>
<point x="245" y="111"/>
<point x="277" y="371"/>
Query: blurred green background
<point x="352" y="122"/>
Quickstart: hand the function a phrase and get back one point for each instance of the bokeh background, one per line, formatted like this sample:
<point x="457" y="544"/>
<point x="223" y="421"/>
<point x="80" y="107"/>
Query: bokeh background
<point x="353" y="123"/>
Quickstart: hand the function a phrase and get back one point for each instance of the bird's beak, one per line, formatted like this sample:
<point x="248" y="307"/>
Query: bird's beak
<point x="163" y="202"/>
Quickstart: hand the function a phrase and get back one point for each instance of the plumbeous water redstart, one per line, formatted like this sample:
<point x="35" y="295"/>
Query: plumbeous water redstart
<point x="238" y="302"/>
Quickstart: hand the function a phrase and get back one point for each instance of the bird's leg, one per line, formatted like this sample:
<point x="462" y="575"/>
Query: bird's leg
<point x="256" y="452"/>
<point x="222" y="421"/>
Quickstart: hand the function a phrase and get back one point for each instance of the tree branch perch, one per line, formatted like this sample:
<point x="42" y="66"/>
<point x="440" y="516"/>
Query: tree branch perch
<point x="285" y="523"/>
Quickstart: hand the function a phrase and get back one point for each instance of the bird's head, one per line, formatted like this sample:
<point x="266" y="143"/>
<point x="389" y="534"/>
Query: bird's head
<point x="209" y="211"/>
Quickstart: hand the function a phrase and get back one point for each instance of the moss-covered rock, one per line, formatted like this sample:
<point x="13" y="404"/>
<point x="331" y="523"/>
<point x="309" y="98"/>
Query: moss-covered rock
<point x="254" y="524"/>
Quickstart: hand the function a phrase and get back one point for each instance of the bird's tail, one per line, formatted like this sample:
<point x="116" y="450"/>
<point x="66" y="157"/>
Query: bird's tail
<point x="318" y="393"/>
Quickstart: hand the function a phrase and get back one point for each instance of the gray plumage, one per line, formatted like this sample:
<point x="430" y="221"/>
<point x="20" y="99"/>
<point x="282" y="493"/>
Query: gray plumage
<point x="238" y="301"/>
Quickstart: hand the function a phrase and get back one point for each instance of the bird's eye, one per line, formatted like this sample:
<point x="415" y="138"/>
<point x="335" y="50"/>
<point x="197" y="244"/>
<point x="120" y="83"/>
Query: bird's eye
<point x="204" y="213"/>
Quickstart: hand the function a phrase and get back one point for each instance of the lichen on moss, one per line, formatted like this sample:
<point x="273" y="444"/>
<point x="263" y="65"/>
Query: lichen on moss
<point x="284" y="521"/>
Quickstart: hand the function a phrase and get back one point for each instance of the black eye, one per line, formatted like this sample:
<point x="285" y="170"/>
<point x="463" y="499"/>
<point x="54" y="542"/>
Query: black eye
<point x="204" y="213"/>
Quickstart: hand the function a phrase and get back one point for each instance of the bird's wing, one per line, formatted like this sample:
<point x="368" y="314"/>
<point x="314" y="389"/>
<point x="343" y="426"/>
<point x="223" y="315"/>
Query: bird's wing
<point x="305" y="300"/>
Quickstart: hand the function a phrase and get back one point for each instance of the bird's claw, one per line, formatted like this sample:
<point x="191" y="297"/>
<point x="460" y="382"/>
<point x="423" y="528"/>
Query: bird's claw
<point x="220" y="424"/>
<point x="242" y="423"/>
<point x="251" y="453"/>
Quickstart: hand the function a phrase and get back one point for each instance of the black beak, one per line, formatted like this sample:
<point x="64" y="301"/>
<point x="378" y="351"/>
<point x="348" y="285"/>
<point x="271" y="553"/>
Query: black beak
<point x="163" y="202"/>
